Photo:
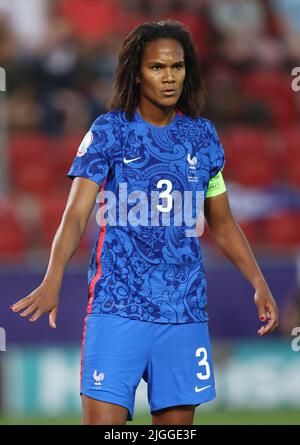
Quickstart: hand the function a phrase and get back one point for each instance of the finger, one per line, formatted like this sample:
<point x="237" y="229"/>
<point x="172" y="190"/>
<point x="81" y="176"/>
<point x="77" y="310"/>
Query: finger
<point x="272" y="316"/>
<point x="261" y="312"/>
<point x="260" y="331"/>
<point x="21" y="304"/>
<point x="36" y="315"/>
<point x="272" y="328"/>
<point x="29" y="310"/>
<point x="52" y="318"/>
<point x="268" y="328"/>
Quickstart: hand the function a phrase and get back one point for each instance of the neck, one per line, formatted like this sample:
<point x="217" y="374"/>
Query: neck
<point x="156" y="115"/>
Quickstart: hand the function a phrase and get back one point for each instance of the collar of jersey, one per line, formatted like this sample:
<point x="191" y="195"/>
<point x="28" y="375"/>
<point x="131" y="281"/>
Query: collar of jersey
<point x="139" y="118"/>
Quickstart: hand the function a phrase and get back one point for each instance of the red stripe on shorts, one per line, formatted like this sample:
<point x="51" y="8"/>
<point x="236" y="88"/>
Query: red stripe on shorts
<point x="96" y="277"/>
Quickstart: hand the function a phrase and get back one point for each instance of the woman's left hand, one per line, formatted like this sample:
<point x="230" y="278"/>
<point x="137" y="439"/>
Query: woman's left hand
<point x="267" y="310"/>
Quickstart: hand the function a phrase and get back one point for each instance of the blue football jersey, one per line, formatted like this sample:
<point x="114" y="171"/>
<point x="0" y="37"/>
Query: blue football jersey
<point x="147" y="263"/>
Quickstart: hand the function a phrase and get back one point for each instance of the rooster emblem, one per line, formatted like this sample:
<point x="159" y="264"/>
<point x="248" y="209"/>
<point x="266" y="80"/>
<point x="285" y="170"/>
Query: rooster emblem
<point x="192" y="161"/>
<point x="98" y="377"/>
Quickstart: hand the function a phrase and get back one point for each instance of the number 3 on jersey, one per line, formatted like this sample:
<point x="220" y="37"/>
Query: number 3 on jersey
<point x="165" y="194"/>
<point x="201" y="352"/>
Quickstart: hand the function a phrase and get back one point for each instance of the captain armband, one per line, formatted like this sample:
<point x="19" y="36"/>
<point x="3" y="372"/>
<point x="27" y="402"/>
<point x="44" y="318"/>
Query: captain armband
<point x="216" y="186"/>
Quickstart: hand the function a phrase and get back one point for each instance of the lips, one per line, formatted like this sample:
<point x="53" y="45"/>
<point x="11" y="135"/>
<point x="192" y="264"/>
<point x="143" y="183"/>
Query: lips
<point x="169" y="92"/>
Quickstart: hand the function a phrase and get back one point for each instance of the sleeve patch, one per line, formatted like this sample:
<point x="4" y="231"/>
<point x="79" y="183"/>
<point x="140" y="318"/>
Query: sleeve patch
<point x="85" y="143"/>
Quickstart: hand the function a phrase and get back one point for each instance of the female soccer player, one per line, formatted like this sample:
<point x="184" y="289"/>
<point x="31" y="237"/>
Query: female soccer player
<point x="153" y="156"/>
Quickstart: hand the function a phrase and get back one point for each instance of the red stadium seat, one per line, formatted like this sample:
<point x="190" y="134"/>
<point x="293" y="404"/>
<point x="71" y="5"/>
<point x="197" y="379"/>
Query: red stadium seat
<point x="11" y="243"/>
<point x="11" y="234"/>
<point x="246" y="142"/>
<point x="39" y="164"/>
<point x="249" y="139"/>
<point x="251" y="156"/>
<point x="26" y="147"/>
<point x="282" y="230"/>
<point x="290" y="141"/>
<point x="290" y="155"/>
<point x="64" y="150"/>
<point x="292" y="172"/>
<point x="35" y="178"/>
<point x="266" y="83"/>
<point x="7" y="213"/>
<point x="283" y="110"/>
<point x="255" y="172"/>
<point x="273" y="87"/>
<point x="251" y="231"/>
<point x="249" y="228"/>
<point x="198" y="26"/>
<point x="52" y="209"/>
<point x="92" y="20"/>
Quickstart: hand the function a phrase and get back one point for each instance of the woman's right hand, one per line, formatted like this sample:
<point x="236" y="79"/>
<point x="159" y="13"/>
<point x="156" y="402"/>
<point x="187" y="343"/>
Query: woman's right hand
<point x="42" y="300"/>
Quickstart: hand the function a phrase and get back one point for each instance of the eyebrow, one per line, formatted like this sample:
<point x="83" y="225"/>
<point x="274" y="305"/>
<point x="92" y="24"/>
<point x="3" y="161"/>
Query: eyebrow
<point x="179" y="62"/>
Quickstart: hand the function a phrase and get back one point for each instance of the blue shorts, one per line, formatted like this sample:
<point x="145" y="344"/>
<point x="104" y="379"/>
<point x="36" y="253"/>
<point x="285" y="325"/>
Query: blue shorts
<point x="175" y="360"/>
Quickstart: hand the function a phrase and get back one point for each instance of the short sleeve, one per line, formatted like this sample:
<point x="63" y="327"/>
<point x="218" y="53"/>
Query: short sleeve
<point x="92" y="158"/>
<point x="216" y="152"/>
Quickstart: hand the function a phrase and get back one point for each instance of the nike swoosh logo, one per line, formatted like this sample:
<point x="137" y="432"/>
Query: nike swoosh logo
<point x="202" y="389"/>
<point x="126" y="161"/>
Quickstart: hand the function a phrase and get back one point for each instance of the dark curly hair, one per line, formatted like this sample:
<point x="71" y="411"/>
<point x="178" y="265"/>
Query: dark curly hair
<point x="126" y="89"/>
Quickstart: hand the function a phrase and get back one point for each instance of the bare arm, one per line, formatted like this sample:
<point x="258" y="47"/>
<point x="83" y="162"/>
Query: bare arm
<point x="79" y="206"/>
<point x="231" y="240"/>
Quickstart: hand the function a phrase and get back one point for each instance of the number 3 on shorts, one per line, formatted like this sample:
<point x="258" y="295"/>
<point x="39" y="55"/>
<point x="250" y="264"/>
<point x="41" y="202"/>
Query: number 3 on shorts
<point x="203" y="362"/>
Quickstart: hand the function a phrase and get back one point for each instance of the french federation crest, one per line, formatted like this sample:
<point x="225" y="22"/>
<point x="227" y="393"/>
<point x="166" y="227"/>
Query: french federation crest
<point x="98" y="377"/>
<point x="192" y="161"/>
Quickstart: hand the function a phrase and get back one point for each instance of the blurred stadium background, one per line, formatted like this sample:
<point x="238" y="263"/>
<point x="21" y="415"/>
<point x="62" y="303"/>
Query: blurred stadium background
<point x="59" y="57"/>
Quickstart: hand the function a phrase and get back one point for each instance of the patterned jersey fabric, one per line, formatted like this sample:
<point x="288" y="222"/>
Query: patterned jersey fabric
<point x="146" y="263"/>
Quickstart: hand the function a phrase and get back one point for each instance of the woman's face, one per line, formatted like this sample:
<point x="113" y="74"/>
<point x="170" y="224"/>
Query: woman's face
<point x="162" y="72"/>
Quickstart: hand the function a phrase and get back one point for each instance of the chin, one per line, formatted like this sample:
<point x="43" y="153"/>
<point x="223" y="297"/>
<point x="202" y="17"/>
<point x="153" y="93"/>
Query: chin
<point x="168" y="102"/>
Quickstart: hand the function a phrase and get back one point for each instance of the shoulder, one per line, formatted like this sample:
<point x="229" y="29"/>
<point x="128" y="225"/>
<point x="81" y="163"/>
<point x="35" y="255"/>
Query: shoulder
<point x="109" y="119"/>
<point x="108" y="131"/>
<point x="208" y="137"/>
<point x="205" y="124"/>
<point x="201" y="129"/>
<point x="208" y="129"/>
<point x="199" y="122"/>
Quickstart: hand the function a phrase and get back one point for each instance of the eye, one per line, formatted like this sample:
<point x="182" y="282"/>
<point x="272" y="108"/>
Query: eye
<point x="179" y="66"/>
<point x="156" y="67"/>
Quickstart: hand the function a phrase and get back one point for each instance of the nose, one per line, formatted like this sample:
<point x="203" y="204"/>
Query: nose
<point x="168" y="75"/>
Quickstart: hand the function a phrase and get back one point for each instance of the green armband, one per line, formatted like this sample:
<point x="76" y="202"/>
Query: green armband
<point x="216" y="186"/>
